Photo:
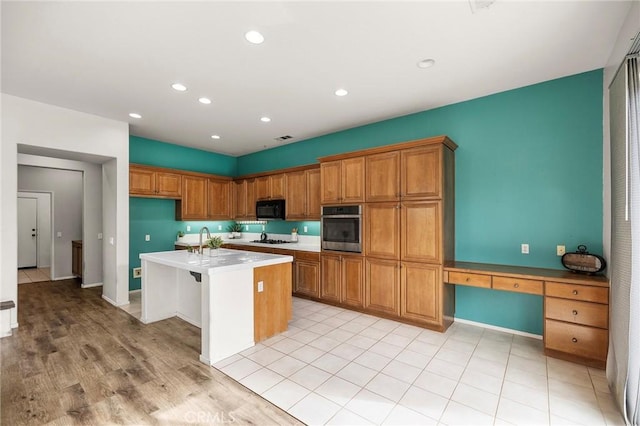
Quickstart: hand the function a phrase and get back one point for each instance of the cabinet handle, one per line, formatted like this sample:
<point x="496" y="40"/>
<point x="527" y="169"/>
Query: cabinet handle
<point x="467" y="279"/>
<point x="516" y="285"/>
<point x="574" y="340"/>
<point x="575" y="292"/>
<point x="575" y="312"/>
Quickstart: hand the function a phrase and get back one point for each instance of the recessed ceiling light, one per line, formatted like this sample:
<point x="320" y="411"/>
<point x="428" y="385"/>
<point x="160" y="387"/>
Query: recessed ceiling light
<point x="341" y="92"/>
<point x="265" y="119"/>
<point x="179" y="87"/>
<point x="134" y="115"/>
<point x="215" y="137"/>
<point x="426" y="63"/>
<point x="205" y="101"/>
<point x="254" y="37"/>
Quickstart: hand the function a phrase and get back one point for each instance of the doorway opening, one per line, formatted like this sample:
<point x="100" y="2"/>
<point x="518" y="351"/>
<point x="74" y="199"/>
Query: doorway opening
<point x="35" y="240"/>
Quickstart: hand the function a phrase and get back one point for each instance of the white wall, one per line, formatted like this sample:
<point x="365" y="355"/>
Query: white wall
<point x="92" y="251"/>
<point x="51" y="127"/>
<point x="44" y="226"/>
<point x="629" y="29"/>
<point x="66" y="186"/>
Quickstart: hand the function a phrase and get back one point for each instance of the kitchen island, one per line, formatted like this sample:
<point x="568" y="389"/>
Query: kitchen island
<point x="237" y="298"/>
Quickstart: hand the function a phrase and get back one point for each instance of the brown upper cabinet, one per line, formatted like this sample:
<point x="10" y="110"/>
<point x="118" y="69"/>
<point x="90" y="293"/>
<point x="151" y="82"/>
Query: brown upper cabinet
<point x="342" y="181"/>
<point x="421" y="172"/>
<point x="303" y="194"/>
<point x="193" y="205"/>
<point x="219" y="199"/>
<point x="271" y="187"/>
<point x="239" y="199"/>
<point x="152" y="182"/>
<point x="383" y="177"/>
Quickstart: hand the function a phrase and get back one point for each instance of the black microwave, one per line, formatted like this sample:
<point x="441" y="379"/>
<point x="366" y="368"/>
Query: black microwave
<point x="270" y="209"/>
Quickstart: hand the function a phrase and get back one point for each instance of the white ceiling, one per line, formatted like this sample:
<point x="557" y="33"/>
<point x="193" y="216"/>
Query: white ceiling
<point x="113" y="58"/>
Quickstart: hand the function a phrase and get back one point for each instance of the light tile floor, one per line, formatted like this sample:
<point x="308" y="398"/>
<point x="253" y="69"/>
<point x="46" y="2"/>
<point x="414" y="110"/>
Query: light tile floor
<point x="339" y="367"/>
<point x="33" y="275"/>
<point x="134" y="308"/>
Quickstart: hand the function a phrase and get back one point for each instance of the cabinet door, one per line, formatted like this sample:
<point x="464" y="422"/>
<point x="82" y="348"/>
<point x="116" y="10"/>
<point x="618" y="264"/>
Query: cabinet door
<point x="169" y="184"/>
<point x="330" y="277"/>
<point x="421" y="234"/>
<point x="421" y="170"/>
<point x="219" y="199"/>
<point x="383" y="177"/>
<point x="330" y="182"/>
<point x="352" y="180"/>
<point x="240" y="199"/>
<point x="352" y="280"/>
<point x="420" y="291"/>
<point x="382" y="286"/>
<point x="296" y="195"/>
<point x="141" y="181"/>
<point x="307" y="278"/>
<point x="278" y="187"/>
<point x="313" y="194"/>
<point x="263" y="188"/>
<point x="194" y="198"/>
<point x="251" y="198"/>
<point x="382" y="230"/>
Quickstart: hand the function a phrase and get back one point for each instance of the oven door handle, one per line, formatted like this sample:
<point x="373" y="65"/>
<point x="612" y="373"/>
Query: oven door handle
<point x="342" y="216"/>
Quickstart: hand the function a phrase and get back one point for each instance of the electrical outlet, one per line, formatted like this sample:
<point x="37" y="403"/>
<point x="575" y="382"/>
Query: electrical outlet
<point x="137" y="272"/>
<point x="264" y="227"/>
<point x="305" y="229"/>
<point x="59" y="234"/>
<point x="188" y="228"/>
<point x="219" y="227"/>
<point x="524" y="248"/>
<point x="260" y="286"/>
<point x="100" y="235"/>
<point x="246" y="228"/>
<point x="560" y="250"/>
<point x="147" y="237"/>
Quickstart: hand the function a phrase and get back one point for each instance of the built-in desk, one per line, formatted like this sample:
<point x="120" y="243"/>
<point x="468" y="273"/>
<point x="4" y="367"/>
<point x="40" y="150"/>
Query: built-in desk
<point x="576" y="306"/>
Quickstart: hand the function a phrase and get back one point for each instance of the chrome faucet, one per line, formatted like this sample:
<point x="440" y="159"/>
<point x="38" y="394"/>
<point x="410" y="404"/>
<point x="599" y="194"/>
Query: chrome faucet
<point x="204" y="228"/>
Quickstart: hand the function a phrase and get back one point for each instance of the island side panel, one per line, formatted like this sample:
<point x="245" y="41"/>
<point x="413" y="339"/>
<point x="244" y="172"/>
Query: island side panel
<point x="272" y="305"/>
<point x="227" y="314"/>
<point x="159" y="292"/>
<point x="189" y="298"/>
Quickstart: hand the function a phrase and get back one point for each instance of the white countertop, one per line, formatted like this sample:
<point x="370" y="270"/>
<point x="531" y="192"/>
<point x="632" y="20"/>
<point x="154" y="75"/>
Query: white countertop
<point x="225" y="260"/>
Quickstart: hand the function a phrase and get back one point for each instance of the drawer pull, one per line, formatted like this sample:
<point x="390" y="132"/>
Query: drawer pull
<point x="574" y="340"/>
<point x="575" y="292"/>
<point x="516" y="285"/>
<point x="467" y="280"/>
<point x="574" y="312"/>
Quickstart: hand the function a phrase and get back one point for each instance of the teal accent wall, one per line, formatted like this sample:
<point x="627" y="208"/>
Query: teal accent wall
<point x="528" y="170"/>
<point x="162" y="154"/>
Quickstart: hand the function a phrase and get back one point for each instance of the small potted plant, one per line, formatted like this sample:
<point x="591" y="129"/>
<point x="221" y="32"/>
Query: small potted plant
<point x="235" y="230"/>
<point x="180" y="236"/>
<point x="214" y="243"/>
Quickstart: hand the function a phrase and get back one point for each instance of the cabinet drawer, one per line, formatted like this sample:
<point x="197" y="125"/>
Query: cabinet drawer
<point x="577" y="312"/>
<point x="577" y="292"/>
<point x="475" y="280"/>
<point x="518" y="285"/>
<point x="308" y="255"/>
<point x="579" y="340"/>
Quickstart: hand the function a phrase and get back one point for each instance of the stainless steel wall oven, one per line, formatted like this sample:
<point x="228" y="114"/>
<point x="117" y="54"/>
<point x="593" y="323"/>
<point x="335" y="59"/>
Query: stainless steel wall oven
<point x="342" y="228"/>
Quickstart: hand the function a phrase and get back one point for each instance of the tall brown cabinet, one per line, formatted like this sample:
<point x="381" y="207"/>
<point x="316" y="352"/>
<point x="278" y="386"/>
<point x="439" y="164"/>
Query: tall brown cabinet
<point x="408" y="231"/>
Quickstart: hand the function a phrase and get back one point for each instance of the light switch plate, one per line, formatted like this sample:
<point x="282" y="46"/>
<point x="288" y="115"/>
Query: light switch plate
<point x="137" y="272"/>
<point x="147" y="237"/>
<point x="260" y="286"/>
<point x="524" y="248"/>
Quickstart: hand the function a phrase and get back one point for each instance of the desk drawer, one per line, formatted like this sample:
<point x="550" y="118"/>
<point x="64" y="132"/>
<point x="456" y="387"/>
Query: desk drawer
<point x="579" y="340"/>
<point x="577" y="292"/>
<point x="586" y="313"/>
<point x="474" y="280"/>
<point x="518" y="285"/>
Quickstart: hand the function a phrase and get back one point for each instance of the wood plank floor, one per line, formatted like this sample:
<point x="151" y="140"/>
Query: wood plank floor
<point x="75" y="359"/>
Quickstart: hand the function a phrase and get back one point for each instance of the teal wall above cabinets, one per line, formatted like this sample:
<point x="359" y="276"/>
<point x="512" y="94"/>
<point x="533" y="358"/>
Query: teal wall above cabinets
<point x="162" y="154"/>
<point x="528" y="170"/>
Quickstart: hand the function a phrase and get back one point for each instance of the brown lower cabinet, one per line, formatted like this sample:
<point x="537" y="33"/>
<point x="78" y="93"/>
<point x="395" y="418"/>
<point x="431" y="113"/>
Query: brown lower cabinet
<point x="382" y="286"/>
<point x="307" y="274"/>
<point x="420" y="297"/>
<point x="342" y="279"/>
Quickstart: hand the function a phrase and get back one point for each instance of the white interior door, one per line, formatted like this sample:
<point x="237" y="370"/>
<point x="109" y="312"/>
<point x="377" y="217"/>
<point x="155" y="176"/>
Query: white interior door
<point x="27" y="232"/>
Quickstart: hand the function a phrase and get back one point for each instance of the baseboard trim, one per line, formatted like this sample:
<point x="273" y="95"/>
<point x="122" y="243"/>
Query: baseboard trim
<point x="14" y="325"/>
<point x="64" y="278"/>
<point x="135" y="291"/>
<point x="496" y="328"/>
<point x="91" y="285"/>
<point x="109" y="300"/>
<point x="189" y="320"/>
